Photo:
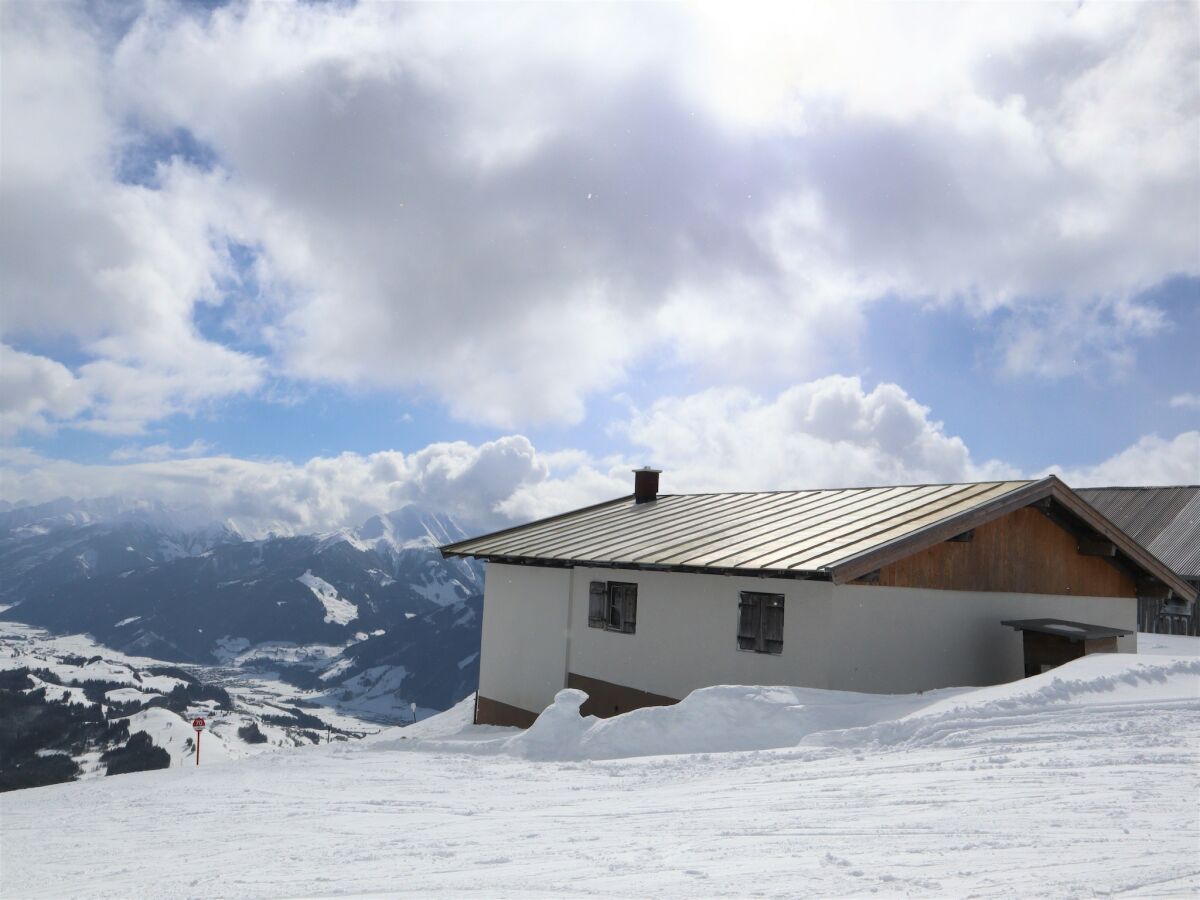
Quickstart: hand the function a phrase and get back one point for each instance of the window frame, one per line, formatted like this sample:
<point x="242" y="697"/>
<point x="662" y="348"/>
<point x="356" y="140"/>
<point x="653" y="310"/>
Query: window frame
<point x="759" y="637"/>
<point x="612" y="606"/>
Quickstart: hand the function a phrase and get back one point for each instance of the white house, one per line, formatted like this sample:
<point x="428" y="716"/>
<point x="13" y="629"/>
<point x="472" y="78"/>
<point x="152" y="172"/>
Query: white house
<point x="641" y="600"/>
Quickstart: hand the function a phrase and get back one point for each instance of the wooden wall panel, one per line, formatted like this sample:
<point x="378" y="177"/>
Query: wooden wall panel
<point x="607" y="699"/>
<point x="1022" y="552"/>
<point x="493" y="712"/>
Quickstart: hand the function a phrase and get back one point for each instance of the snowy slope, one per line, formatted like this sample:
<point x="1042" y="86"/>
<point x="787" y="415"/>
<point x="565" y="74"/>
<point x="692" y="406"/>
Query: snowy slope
<point x="337" y="609"/>
<point x="284" y="715"/>
<point x="1079" y="782"/>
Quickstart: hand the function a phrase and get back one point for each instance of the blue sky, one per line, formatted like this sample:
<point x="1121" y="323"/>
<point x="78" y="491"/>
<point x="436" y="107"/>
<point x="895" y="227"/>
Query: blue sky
<point x="291" y="264"/>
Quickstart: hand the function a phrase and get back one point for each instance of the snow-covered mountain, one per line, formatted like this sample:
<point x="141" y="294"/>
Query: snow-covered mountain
<point x="347" y="611"/>
<point x="72" y="709"/>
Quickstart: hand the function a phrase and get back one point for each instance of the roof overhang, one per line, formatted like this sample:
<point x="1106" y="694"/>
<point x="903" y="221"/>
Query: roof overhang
<point x="1049" y="495"/>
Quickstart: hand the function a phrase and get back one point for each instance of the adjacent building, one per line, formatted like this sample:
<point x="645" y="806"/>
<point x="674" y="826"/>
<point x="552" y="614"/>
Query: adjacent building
<point x="1166" y="521"/>
<point x="643" y="599"/>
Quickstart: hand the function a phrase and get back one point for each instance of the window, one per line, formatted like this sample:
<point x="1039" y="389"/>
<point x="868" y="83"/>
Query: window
<point x="613" y="605"/>
<point x="760" y="622"/>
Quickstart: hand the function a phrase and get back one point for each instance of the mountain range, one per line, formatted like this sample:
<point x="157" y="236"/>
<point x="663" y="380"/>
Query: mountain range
<point x="371" y="616"/>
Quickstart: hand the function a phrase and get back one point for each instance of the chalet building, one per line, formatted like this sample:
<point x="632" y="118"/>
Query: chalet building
<point x="1166" y="521"/>
<point x="641" y="600"/>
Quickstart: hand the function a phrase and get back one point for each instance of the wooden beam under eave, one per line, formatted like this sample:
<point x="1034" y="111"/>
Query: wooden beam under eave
<point x="1152" y="589"/>
<point x="1097" y="547"/>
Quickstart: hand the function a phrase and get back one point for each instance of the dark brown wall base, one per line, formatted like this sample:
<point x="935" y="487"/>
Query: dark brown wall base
<point x="607" y="699"/>
<point x="493" y="712"/>
<point x="1046" y="651"/>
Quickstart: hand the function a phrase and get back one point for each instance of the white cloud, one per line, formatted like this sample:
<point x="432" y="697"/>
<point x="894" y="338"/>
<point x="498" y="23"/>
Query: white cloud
<point x="35" y="390"/>
<point x="114" y="271"/>
<point x="510" y="207"/>
<point x="155" y="452"/>
<point x="826" y="433"/>
<point x="1152" y="460"/>
<point x="1185" y="401"/>
<point x="831" y="432"/>
<point x="262" y="496"/>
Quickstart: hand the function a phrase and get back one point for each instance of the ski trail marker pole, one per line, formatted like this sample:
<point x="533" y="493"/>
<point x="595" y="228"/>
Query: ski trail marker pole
<point x="198" y="724"/>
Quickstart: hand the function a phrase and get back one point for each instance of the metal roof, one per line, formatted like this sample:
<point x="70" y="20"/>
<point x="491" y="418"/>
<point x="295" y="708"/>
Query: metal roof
<point x="837" y="534"/>
<point x="1166" y="520"/>
<point x="1072" y="631"/>
<point x="782" y="531"/>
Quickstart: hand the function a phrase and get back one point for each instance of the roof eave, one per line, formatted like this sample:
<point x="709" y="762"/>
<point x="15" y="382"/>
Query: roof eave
<point x="552" y="563"/>
<point x="455" y="549"/>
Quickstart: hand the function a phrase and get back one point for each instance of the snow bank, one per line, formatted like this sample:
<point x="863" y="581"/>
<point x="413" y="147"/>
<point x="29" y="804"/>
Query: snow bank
<point x="711" y="720"/>
<point x="1167" y="645"/>
<point x="1103" y="679"/>
<point x="744" y="718"/>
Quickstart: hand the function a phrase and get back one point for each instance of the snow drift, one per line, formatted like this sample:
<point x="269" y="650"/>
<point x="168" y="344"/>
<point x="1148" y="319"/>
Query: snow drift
<point x="730" y="718"/>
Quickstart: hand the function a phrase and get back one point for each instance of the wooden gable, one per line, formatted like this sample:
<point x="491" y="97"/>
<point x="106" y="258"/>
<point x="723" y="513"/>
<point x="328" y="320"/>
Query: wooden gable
<point x="1022" y="552"/>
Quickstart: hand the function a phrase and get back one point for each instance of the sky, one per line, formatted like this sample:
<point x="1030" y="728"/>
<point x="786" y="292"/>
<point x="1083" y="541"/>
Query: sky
<point x="289" y="265"/>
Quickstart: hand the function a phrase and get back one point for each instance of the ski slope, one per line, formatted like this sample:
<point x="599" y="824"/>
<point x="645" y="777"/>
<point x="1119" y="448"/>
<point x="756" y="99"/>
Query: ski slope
<point x="1078" y="782"/>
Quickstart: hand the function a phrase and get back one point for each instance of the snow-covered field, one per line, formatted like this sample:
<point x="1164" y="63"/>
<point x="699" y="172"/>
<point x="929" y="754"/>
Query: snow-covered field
<point x="1078" y="782"/>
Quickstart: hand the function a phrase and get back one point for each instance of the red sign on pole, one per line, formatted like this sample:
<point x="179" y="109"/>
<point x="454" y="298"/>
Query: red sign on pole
<point x="198" y="724"/>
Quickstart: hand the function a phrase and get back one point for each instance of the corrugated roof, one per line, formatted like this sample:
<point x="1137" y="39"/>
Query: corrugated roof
<point x="840" y="534"/>
<point x="1166" y="520"/>
<point x="1141" y="512"/>
<point x="782" y="531"/>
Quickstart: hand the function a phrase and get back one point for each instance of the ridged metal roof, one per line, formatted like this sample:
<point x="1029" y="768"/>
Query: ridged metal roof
<point x="1165" y="520"/>
<point x="784" y="532"/>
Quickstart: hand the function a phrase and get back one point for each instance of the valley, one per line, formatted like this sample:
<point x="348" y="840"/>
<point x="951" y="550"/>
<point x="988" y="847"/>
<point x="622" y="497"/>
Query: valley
<point x="299" y="638"/>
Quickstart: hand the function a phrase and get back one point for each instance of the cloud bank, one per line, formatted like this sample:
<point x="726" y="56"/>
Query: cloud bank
<point x="827" y="433"/>
<point x="509" y="209"/>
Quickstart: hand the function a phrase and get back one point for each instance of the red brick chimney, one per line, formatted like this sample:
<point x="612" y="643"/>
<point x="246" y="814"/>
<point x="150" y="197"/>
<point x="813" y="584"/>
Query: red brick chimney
<point x="645" y="484"/>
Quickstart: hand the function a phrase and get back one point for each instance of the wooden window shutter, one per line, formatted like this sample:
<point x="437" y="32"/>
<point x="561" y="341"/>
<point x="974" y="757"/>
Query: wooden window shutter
<point x="772" y="623"/>
<point x="598" y="604"/>
<point x="760" y="622"/>
<point x="748" y="619"/>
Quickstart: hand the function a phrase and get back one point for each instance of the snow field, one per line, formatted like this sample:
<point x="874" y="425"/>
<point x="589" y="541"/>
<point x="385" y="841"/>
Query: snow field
<point x="1079" y="782"/>
<point x="337" y="609"/>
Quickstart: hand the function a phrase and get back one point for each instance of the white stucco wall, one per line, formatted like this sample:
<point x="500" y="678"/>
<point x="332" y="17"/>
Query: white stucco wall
<point x="686" y="634"/>
<point x="872" y="639"/>
<point x="900" y="640"/>
<point x="523" y="656"/>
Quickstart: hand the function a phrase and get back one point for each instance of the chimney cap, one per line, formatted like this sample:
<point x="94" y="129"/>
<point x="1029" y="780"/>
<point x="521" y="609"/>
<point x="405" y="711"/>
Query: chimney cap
<point x="648" y="469"/>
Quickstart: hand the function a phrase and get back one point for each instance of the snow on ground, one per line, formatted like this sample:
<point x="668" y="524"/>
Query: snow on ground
<point x="25" y="646"/>
<point x="1077" y="782"/>
<point x="257" y="697"/>
<point x="338" y="610"/>
<point x="175" y="735"/>
<point x="1168" y="644"/>
<point x="443" y="593"/>
<point x="240" y="652"/>
<point x="376" y="695"/>
<point x="127" y="695"/>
